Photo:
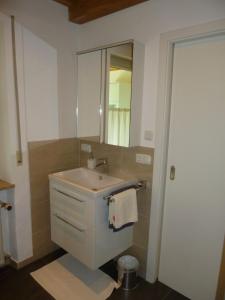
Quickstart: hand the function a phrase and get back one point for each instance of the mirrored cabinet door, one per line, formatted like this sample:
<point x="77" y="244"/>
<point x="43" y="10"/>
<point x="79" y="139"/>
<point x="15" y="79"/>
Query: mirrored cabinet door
<point x="109" y="102"/>
<point x="119" y="65"/>
<point x="89" y="95"/>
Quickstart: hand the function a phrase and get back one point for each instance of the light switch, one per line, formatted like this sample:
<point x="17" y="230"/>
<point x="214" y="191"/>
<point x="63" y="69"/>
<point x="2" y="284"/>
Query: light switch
<point x="144" y="159"/>
<point x="86" y="148"/>
<point x="148" y="135"/>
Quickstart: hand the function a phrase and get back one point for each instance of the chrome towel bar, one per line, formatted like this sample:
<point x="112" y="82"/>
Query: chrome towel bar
<point x="141" y="185"/>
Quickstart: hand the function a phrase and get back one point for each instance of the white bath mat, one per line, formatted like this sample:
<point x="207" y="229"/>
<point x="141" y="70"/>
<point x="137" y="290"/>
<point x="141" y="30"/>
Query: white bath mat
<point x="67" y="279"/>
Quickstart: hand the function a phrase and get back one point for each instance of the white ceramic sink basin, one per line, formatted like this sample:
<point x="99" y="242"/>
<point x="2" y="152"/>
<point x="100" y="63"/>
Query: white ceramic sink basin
<point x="89" y="180"/>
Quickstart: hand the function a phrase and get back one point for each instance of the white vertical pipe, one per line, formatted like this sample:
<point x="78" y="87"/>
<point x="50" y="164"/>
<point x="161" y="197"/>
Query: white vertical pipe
<point x="2" y="256"/>
<point x="19" y="151"/>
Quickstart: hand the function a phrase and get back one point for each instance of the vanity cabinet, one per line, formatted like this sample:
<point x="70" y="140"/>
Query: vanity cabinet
<point x="79" y="224"/>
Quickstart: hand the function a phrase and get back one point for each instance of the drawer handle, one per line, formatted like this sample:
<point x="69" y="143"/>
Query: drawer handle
<point x="65" y="194"/>
<point x="68" y="223"/>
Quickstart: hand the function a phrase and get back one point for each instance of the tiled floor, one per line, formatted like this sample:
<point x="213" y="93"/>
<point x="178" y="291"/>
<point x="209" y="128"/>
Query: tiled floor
<point x="19" y="285"/>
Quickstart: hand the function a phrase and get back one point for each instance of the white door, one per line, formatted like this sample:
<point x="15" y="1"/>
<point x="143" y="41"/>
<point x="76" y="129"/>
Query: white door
<point x="194" y="209"/>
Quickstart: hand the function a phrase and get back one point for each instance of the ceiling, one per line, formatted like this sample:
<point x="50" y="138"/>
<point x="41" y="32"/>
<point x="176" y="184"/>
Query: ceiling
<point x="82" y="11"/>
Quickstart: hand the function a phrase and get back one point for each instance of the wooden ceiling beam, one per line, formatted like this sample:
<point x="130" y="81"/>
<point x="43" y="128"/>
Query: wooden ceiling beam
<point x="64" y="2"/>
<point x="82" y="11"/>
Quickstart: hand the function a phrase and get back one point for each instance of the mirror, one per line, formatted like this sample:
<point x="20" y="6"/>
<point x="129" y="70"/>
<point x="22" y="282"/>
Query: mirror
<point x="89" y="95"/>
<point x="118" y="95"/>
<point x="109" y="94"/>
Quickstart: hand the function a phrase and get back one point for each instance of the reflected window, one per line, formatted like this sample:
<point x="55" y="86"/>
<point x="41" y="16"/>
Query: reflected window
<point x="119" y="97"/>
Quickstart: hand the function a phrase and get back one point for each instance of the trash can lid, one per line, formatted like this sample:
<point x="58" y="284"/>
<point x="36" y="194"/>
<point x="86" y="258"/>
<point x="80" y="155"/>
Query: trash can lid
<point x="128" y="263"/>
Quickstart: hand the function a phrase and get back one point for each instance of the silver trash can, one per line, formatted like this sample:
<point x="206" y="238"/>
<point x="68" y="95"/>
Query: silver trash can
<point x="127" y="267"/>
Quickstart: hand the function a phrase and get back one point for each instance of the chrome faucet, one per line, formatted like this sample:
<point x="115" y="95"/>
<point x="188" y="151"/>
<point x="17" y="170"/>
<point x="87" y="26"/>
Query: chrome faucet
<point x="102" y="162"/>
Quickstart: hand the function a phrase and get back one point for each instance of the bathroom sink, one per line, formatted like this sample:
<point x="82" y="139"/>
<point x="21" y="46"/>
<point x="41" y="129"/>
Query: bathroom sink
<point x="79" y="216"/>
<point x="89" y="180"/>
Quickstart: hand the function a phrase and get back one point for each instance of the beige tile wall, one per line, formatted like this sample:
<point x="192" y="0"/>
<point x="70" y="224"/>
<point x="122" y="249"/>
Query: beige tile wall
<point x="47" y="157"/>
<point x="51" y="156"/>
<point x="122" y="163"/>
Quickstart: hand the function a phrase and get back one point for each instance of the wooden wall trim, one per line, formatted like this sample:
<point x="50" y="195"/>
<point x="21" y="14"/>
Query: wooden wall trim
<point x="220" y="295"/>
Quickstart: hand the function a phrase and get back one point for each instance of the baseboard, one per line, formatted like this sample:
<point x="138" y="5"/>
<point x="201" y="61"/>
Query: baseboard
<point x="21" y="264"/>
<point x="18" y="265"/>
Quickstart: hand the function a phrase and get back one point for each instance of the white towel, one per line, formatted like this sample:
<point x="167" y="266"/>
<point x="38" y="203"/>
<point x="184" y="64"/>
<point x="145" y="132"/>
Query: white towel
<point x="123" y="208"/>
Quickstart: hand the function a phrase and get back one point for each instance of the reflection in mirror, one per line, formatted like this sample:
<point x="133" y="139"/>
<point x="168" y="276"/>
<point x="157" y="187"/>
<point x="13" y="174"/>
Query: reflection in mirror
<point x="118" y="95"/>
<point x="109" y="94"/>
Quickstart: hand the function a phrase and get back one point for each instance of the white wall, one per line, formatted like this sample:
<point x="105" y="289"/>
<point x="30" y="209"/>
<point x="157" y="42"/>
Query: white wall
<point x="4" y="140"/>
<point x="18" y="242"/>
<point x="48" y="21"/>
<point x="41" y="93"/>
<point x="144" y="23"/>
<point x="4" y="124"/>
<point x="45" y="44"/>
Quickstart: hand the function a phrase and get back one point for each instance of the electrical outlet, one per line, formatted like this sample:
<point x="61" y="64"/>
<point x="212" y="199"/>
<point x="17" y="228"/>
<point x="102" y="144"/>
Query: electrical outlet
<point x="86" y="148"/>
<point x="148" y="135"/>
<point x="144" y="159"/>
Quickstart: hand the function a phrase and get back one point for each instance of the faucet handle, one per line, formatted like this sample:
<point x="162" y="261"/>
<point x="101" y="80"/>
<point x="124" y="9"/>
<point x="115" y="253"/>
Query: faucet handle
<point x="102" y="161"/>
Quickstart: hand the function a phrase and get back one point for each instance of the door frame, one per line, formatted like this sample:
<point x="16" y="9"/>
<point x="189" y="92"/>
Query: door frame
<point x="167" y="42"/>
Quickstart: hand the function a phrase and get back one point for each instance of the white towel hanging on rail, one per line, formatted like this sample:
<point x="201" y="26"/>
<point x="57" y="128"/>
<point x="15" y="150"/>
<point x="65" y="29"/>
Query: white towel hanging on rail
<point x="123" y="209"/>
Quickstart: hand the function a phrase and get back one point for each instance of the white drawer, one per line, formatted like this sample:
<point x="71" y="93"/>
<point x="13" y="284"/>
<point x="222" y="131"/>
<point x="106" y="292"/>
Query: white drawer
<point x="72" y="223"/>
<point x="72" y="237"/>
<point x="68" y="206"/>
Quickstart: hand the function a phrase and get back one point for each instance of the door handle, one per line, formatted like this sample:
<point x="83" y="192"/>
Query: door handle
<point x="172" y="172"/>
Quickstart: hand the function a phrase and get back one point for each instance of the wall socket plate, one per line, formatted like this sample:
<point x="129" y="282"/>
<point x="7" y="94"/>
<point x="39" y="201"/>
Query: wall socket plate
<point x="148" y="135"/>
<point x="144" y="159"/>
<point x="86" y="148"/>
